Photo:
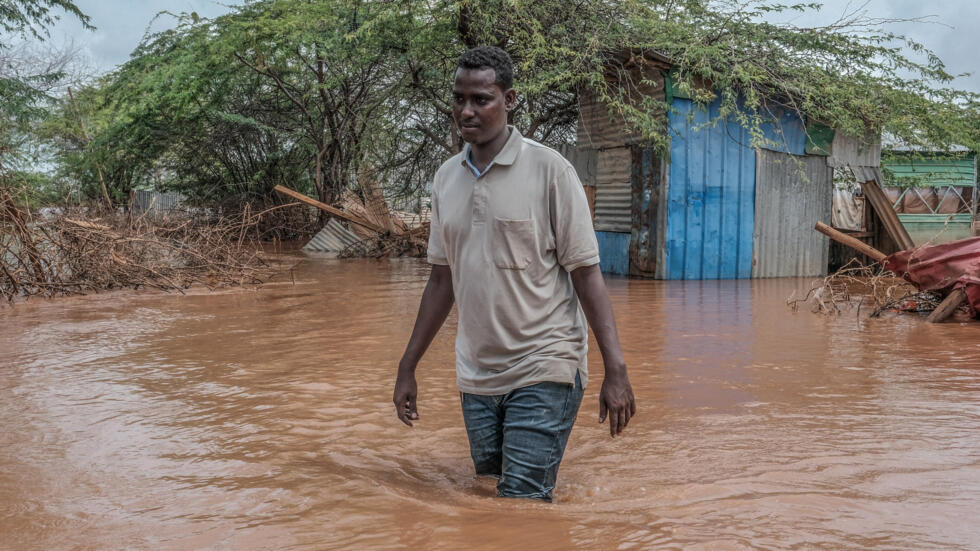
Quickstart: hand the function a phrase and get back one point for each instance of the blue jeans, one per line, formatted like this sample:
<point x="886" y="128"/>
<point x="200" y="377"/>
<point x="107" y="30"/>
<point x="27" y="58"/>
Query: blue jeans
<point x="519" y="437"/>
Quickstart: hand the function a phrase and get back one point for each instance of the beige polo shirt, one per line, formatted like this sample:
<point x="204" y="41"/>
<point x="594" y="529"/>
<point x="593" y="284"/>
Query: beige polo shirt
<point x="511" y="237"/>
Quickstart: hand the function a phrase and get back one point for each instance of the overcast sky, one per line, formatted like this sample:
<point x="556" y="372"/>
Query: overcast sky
<point x="953" y="30"/>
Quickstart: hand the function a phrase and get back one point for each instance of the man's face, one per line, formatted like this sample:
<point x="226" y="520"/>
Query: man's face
<point x="479" y="105"/>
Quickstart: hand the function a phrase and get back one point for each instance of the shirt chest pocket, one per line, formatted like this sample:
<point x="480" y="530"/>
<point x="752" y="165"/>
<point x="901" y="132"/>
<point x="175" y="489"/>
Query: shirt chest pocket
<point x="512" y="243"/>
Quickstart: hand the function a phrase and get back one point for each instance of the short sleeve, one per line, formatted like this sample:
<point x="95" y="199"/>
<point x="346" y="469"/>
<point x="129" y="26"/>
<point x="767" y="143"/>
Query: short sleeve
<point x="575" y="241"/>
<point x="437" y="247"/>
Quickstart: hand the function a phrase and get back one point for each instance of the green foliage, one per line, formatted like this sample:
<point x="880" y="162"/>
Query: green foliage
<point x="315" y="94"/>
<point x="853" y="75"/>
<point x="24" y="94"/>
<point x="33" y="17"/>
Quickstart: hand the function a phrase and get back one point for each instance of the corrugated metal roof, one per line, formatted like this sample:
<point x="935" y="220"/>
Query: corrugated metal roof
<point x="710" y="196"/>
<point x="865" y="173"/>
<point x="333" y="238"/>
<point x="792" y="193"/>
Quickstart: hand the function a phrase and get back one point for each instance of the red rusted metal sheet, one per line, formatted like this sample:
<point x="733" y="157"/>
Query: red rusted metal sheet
<point x="950" y="265"/>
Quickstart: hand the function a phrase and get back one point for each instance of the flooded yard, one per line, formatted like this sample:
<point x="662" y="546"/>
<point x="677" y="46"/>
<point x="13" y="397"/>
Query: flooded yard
<point x="262" y="419"/>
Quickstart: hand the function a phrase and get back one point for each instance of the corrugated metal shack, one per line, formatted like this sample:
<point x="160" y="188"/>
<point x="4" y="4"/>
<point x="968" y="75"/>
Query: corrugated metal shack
<point x="934" y="193"/>
<point x="715" y="208"/>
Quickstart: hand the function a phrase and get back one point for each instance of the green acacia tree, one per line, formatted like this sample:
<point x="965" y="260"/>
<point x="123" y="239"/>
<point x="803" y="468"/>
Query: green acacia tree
<point x="852" y="74"/>
<point x="26" y="84"/>
<point x="310" y="94"/>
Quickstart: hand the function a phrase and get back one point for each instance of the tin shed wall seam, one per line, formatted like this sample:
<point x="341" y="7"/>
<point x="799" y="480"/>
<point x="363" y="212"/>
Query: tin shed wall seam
<point x="792" y="194"/>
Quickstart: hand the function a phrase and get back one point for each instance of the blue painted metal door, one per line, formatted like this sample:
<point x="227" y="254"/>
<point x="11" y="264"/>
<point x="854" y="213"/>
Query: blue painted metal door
<point x="614" y="252"/>
<point x="710" y="196"/>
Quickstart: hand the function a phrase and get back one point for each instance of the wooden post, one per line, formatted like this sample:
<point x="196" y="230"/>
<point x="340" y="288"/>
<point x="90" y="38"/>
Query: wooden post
<point x="947" y="306"/>
<point x="852" y="242"/>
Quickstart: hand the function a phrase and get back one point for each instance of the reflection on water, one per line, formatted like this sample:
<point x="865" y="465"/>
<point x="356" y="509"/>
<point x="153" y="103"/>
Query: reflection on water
<point x="262" y="419"/>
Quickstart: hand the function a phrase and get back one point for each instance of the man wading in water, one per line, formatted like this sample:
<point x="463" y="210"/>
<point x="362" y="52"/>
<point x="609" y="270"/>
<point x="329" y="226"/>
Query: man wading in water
<point x="512" y="243"/>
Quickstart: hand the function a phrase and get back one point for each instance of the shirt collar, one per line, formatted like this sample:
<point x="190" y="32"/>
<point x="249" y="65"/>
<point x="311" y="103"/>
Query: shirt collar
<point x="506" y="156"/>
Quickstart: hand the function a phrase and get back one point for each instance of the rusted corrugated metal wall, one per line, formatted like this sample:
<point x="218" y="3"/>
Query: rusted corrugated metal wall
<point x="600" y="129"/>
<point x="597" y="129"/>
<point x="850" y="151"/>
<point x="613" y="190"/>
<point x="646" y="237"/>
<point x="585" y="162"/>
<point x="792" y="193"/>
<point x="606" y="134"/>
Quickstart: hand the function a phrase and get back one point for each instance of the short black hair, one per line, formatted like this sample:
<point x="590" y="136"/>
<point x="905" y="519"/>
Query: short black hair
<point x="490" y="57"/>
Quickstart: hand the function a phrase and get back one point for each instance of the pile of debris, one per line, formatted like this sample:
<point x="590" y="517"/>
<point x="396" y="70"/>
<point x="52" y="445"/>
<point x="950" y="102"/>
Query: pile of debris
<point x="74" y="251"/>
<point x="939" y="279"/>
<point x="866" y="288"/>
<point x="374" y="230"/>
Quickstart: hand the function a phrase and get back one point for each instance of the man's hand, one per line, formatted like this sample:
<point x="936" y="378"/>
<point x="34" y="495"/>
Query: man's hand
<point x="406" y="391"/>
<point x="437" y="301"/>
<point x="616" y="400"/>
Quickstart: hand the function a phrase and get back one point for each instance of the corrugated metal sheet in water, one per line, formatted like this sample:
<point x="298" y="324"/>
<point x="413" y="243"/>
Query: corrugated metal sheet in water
<point x="792" y="193"/>
<point x="710" y="197"/>
<point x="613" y="194"/>
<point x="333" y="238"/>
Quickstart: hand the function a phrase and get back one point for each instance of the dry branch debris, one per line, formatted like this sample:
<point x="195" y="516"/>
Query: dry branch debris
<point x="867" y="288"/>
<point x="93" y="249"/>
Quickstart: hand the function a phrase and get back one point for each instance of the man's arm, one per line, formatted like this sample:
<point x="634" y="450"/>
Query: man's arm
<point x="616" y="395"/>
<point x="437" y="301"/>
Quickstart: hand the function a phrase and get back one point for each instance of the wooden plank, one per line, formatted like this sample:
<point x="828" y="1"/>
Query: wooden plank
<point x="851" y="242"/>
<point x="325" y="207"/>
<point x="882" y="206"/>
<point x="879" y="201"/>
<point x="947" y="306"/>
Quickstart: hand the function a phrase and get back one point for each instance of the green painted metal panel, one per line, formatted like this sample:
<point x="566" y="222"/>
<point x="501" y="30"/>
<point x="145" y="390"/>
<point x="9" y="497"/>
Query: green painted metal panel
<point x="670" y="90"/>
<point x="819" y="139"/>
<point x="932" y="172"/>
<point x="936" y="228"/>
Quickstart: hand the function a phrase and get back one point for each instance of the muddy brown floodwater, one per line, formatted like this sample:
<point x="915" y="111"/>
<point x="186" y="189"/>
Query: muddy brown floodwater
<point x="262" y="419"/>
